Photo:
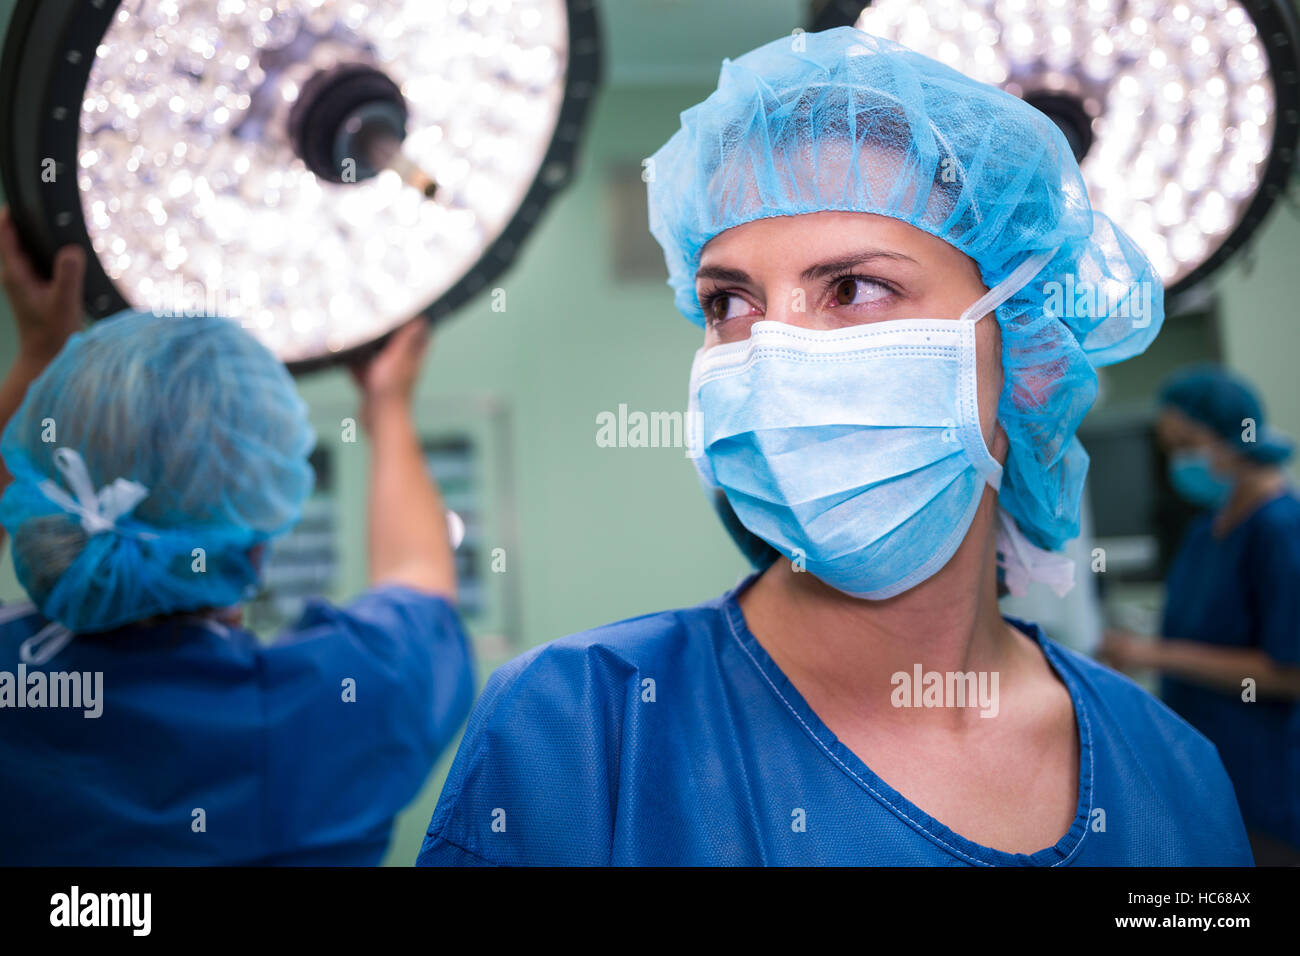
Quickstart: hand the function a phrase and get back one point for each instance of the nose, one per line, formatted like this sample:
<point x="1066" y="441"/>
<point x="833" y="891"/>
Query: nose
<point x="793" y="306"/>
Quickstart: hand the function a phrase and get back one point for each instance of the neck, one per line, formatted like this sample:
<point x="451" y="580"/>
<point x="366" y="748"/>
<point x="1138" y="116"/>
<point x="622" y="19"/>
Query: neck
<point x="949" y="623"/>
<point x="1254" y="486"/>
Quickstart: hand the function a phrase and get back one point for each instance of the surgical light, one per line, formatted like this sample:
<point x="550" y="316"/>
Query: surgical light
<point x="1183" y="115"/>
<point x="319" y="170"/>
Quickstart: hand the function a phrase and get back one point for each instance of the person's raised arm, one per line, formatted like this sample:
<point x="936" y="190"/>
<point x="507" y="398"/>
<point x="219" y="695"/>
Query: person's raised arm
<point x="408" y="537"/>
<point x="46" y="313"/>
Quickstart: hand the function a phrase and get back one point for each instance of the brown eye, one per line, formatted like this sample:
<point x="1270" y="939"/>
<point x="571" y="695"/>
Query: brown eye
<point x="846" y="290"/>
<point x="724" y="306"/>
<point x="857" y="290"/>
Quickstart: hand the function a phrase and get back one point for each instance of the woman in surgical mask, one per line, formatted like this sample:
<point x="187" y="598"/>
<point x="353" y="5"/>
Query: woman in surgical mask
<point x="1229" y="650"/>
<point x="876" y="249"/>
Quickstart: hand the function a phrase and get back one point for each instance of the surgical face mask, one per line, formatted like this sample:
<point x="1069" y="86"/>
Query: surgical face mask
<point x="855" y="452"/>
<point x="1195" y="481"/>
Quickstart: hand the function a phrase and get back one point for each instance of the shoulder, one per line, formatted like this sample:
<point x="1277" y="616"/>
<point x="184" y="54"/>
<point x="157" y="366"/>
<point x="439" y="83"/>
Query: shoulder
<point x="399" y="656"/>
<point x="1276" y="526"/>
<point x="1118" y="698"/>
<point x="1272" y="563"/>
<point x="390" y="608"/>
<point x="537" y="775"/>
<point x="607" y="656"/>
<point x="1160" y="764"/>
<point x="385" y="626"/>
<point x="1141" y="730"/>
<point x="581" y="684"/>
<point x="1283" y="510"/>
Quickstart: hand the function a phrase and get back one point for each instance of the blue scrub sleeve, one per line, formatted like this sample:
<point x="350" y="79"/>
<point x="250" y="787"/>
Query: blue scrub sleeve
<point x="363" y="699"/>
<point x="1274" y="582"/>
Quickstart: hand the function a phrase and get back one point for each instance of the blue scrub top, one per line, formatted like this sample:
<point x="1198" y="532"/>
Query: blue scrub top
<point x="1244" y="591"/>
<point x="566" y="761"/>
<point x="199" y="716"/>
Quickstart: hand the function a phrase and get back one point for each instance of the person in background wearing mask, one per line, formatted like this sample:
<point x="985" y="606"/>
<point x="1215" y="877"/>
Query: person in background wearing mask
<point x="1229" y="646"/>
<point x="149" y="461"/>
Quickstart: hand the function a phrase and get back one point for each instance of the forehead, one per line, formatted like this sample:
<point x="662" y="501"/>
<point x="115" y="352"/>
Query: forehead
<point x="802" y="239"/>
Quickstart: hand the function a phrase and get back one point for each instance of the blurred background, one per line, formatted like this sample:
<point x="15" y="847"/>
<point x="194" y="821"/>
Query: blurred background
<point x="562" y="533"/>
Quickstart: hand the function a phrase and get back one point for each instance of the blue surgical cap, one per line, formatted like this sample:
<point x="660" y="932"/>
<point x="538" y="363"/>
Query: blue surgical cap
<point x="1229" y="407"/>
<point x="148" y="459"/>
<point x="845" y="121"/>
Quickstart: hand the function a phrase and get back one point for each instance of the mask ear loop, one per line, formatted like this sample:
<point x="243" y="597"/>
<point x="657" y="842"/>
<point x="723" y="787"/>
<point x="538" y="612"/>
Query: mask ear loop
<point x="51" y="639"/>
<point x="1019" y="278"/>
<point x="1020" y="559"/>
<point x="973" y="437"/>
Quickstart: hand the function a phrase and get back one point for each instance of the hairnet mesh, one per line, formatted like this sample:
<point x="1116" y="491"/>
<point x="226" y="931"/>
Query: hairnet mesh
<point x="845" y="121"/>
<point x="200" y="414"/>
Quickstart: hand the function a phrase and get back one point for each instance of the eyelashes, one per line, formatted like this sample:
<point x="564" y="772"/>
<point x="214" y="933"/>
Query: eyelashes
<point x="711" y="301"/>
<point x="836" y="286"/>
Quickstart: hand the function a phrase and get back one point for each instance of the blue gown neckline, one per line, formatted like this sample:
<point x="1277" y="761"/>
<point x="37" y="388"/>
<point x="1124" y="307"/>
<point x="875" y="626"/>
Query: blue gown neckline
<point x="851" y="764"/>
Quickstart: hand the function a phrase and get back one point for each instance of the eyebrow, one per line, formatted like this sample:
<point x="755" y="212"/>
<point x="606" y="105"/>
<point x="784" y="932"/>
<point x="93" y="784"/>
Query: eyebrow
<point x="840" y="266"/>
<point x="723" y="274"/>
<point x="821" y="270"/>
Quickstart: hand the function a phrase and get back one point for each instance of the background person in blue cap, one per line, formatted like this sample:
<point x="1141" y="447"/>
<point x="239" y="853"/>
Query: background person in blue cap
<point x="870" y="243"/>
<point x="1232" y="602"/>
<point x="149" y="462"/>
